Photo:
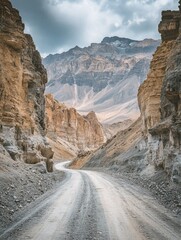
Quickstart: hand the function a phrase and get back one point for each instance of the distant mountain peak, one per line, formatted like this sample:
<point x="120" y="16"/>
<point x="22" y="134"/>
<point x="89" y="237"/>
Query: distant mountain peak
<point x="117" y="39"/>
<point x="122" y="42"/>
<point x="76" y="48"/>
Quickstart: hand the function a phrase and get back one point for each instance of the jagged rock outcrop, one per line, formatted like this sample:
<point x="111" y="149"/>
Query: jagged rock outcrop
<point x="80" y="133"/>
<point x="22" y="85"/>
<point x="159" y="99"/>
<point x="169" y="26"/>
<point x="103" y="77"/>
<point x="150" y="91"/>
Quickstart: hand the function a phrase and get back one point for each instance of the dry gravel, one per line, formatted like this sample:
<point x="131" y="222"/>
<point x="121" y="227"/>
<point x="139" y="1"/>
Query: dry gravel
<point x="94" y="205"/>
<point x="21" y="184"/>
<point x="159" y="185"/>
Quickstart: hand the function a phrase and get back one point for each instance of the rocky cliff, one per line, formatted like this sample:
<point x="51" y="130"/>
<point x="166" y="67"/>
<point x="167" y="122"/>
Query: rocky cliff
<point x="77" y="133"/>
<point x="103" y="77"/>
<point x="150" y="91"/>
<point x="22" y="85"/>
<point x="159" y="99"/>
<point x="159" y="146"/>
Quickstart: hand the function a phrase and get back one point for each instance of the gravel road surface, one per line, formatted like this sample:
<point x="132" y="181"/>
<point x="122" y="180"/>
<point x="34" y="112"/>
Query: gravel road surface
<point x="94" y="205"/>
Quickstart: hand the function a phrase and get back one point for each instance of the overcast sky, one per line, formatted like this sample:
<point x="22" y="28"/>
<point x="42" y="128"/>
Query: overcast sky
<point x="58" y="25"/>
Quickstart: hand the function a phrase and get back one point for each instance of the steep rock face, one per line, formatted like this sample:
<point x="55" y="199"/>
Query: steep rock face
<point x="81" y="133"/>
<point x="169" y="26"/>
<point x="22" y="84"/>
<point x="150" y="91"/>
<point x="103" y="77"/>
<point x="159" y="99"/>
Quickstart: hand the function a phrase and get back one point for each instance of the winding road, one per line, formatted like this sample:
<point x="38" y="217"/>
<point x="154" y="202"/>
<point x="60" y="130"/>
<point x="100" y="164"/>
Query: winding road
<point x="93" y="205"/>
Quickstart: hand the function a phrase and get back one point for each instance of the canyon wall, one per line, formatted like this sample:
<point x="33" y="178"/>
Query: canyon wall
<point x="159" y="99"/>
<point x="22" y="85"/>
<point x="78" y="133"/>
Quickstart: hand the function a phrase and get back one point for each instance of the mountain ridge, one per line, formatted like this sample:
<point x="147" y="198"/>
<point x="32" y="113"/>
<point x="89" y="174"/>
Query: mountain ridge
<point x="101" y="76"/>
<point x="106" y="40"/>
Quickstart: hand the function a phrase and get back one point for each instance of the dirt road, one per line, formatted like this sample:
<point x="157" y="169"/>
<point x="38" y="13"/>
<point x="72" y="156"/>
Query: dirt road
<point x="94" y="205"/>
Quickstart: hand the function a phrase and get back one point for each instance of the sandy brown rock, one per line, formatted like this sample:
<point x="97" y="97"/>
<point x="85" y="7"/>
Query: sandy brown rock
<point x="159" y="99"/>
<point x="64" y="124"/>
<point x="150" y="91"/>
<point x="62" y="151"/>
<point x="49" y="165"/>
<point x="169" y="25"/>
<point x="23" y="77"/>
<point x="22" y="85"/>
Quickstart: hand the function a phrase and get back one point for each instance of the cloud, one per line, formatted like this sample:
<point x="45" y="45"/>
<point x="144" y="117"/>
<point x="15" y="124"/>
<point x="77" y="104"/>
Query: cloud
<point x="57" y="25"/>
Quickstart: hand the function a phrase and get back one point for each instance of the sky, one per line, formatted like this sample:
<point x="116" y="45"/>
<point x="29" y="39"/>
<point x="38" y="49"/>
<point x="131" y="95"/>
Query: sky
<point x="58" y="25"/>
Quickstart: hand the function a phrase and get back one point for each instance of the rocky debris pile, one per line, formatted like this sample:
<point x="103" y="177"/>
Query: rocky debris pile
<point x="21" y="184"/>
<point x="22" y="85"/>
<point x="159" y="184"/>
<point x="83" y="133"/>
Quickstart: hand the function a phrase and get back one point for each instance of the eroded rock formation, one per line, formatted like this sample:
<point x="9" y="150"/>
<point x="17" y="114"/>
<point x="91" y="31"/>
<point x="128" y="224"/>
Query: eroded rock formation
<point x="150" y="91"/>
<point x="83" y="133"/>
<point x="22" y="84"/>
<point x="159" y="99"/>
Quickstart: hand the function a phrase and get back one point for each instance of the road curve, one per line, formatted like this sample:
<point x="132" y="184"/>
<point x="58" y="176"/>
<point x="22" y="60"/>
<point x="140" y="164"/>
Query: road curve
<point x="93" y="205"/>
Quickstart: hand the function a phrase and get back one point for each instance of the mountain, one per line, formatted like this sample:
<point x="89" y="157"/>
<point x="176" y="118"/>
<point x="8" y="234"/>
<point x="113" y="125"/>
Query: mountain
<point x="103" y="77"/>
